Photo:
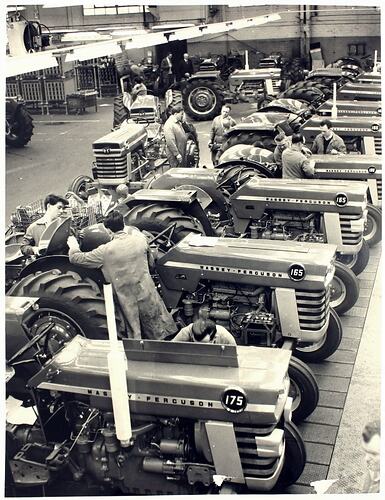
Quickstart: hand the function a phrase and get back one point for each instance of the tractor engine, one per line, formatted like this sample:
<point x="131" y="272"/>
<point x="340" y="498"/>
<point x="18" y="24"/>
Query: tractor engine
<point x="246" y="311"/>
<point x="280" y="225"/>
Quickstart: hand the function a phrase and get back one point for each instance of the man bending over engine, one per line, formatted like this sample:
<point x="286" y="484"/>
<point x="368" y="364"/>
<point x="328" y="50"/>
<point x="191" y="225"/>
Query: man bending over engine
<point x="54" y="206"/>
<point x="125" y="262"/>
<point x="205" y="330"/>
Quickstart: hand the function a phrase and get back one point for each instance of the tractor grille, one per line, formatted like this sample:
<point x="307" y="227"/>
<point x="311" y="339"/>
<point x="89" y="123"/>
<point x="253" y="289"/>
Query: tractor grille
<point x="111" y="163"/>
<point x="379" y="189"/>
<point x="252" y="465"/>
<point x="350" y="236"/>
<point x="143" y="117"/>
<point x="378" y="145"/>
<point x="313" y="308"/>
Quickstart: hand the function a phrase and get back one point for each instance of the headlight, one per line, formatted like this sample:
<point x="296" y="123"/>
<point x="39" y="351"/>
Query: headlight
<point x="329" y="274"/>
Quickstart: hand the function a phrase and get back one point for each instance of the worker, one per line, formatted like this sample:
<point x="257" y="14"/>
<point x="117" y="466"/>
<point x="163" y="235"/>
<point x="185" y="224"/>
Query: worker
<point x="282" y="141"/>
<point x="296" y="165"/>
<point x="176" y="137"/>
<point x="138" y="89"/>
<point x="54" y="206"/>
<point x="206" y="331"/>
<point x="167" y="72"/>
<point x="125" y="262"/>
<point x="328" y="142"/>
<point x="186" y="67"/>
<point x="220" y="126"/>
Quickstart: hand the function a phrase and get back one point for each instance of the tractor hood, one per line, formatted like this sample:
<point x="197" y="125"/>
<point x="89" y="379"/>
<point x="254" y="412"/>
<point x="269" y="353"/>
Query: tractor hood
<point x="245" y="262"/>
<point x="258" y="120"/>
<point x="345" y="126"/>
<point x="358" y="90"/>
<point x="255" y="74"/>
<point x="354" y="167"/>
<point x="127" y="137"/>
<point x="351" y="108"/>
<point x="257" y="195"/>
<point x="168" y="379"/>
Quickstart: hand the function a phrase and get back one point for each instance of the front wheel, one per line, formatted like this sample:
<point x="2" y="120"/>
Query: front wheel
<point x="326" y="346"/>
<point x="295" y="456"/>
<point x="357" y="262"/>
<point x="303" y="389"/>
<point x="20" y="130"/>
<point x="373" y="229"/>
<point x="344" y="290"/>
<point x="79" y="186"/>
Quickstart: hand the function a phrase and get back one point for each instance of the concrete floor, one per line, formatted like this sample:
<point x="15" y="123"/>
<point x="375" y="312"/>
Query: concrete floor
<point x="349" y="381"/>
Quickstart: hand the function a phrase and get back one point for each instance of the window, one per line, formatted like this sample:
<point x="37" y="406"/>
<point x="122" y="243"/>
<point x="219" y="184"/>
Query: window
<point x="356" y="49"/>
<point x="108" y="10"/>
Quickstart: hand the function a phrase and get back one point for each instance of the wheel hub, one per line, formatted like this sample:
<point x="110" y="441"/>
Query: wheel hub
<point x="337" y="292"/>
<point x="202" y="100"/>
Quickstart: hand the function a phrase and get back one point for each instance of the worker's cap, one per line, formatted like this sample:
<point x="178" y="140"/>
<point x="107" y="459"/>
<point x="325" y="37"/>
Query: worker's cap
<point x="280" y="139"/>
<point x="122" y="190"/>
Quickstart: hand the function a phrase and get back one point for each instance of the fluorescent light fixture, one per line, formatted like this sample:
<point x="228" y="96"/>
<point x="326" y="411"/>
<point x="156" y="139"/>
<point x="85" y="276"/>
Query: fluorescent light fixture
<point x="18" y="65"/>
<point x="127" y="32"/>
<point x="84" y="36"/>
<point x="93" y="51"/>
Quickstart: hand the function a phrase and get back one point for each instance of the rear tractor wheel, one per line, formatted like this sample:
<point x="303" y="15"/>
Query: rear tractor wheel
<point x="202" y="100"/>
<point x="20" y="130"/>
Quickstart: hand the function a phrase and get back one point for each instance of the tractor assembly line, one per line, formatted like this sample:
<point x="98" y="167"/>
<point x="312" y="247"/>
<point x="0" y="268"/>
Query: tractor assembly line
<point x="276" y="261"/>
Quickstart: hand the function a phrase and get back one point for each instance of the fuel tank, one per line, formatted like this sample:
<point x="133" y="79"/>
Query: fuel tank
<point x="176" y="378"/>
<point x="243" y="261"/>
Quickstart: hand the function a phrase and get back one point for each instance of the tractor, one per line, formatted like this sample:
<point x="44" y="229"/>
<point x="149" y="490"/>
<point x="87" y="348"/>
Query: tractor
<point x="18" y="123"/>
<point x="176" y="429"/>
<point x="249" y="301"/>
<point x="339" y="168"/>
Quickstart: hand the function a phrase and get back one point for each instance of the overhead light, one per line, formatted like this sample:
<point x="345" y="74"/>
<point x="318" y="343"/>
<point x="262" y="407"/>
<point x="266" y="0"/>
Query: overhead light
<point x="84" y="36"/>
<point x="30" y="62"/>
<point x="93" y="51"/>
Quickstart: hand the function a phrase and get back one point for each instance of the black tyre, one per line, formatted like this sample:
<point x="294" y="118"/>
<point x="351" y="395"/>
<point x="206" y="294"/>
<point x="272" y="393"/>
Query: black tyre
<point x="373" y="226"/>
<point x="295" y="457"/>
<point x="303" y="94"/>
<point x="356" y="262"/>
<point x="345" y="289"/>
<point x="252" y="138"/>
<point x="76" y="305"/>
<point x="163" y="213"/>
<point x="152" y="228"/>
<point x="192" y="147"/>
<point x="120" y="111"/>
<point x="326" y="346"/>
<point x="303" y="389"/>
<point x="79" y="185"/>
<point x="202" y="100"/>
<point x="20" y="130"/>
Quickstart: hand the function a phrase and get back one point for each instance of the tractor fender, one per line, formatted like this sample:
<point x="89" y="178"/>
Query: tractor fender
<point x="63" y="263"/>
<point x="246" y="152"/>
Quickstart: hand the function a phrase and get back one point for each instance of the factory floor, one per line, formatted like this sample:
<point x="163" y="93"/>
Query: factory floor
<point x="349" y="381"/>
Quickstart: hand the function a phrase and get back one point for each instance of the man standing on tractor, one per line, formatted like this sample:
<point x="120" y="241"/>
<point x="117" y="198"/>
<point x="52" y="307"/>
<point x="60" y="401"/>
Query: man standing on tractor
<point x="186" y="67"/>
<point x="328" y="142"/>
<point x="125" y="263"/>
<point x="205" y="331"/>
<point x="221" y="124"/>
<point x="54" y="206"/>
<point x="296" y="165"/>
<point x="167" y="72"/>
<point x="176" y="137"/>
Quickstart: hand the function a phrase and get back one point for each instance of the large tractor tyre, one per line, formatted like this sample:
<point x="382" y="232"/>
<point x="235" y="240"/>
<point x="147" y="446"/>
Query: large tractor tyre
<point x="302" y="94"/>
<point x="202" y="100"/>
<point x="192" y="147"/>
<point x="358" y="261"/>
<point x="326" y="346"/>
<point x="79" y="186"/>
<point x="295" y="457"/>
<point x="75" y="305"/>
<point x="303" y="389"/>
<point x="373" y="226"/>
<point x="20" y="130"/>
<point x="345" y="289"/>
<point x="167" y="216"/>
<point x="120" y="111"/>
<point x="252" y="138"/>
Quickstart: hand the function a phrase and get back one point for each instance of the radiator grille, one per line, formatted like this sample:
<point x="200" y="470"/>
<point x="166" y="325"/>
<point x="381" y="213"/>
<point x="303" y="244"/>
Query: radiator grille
<point x="379" y="189"/>
<point x="252" y="465"/>
<point x="350" y="237"/>
<point x="110" y="163"/>
<point x="313" y="308"/>
<point x="378" y="145"/>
